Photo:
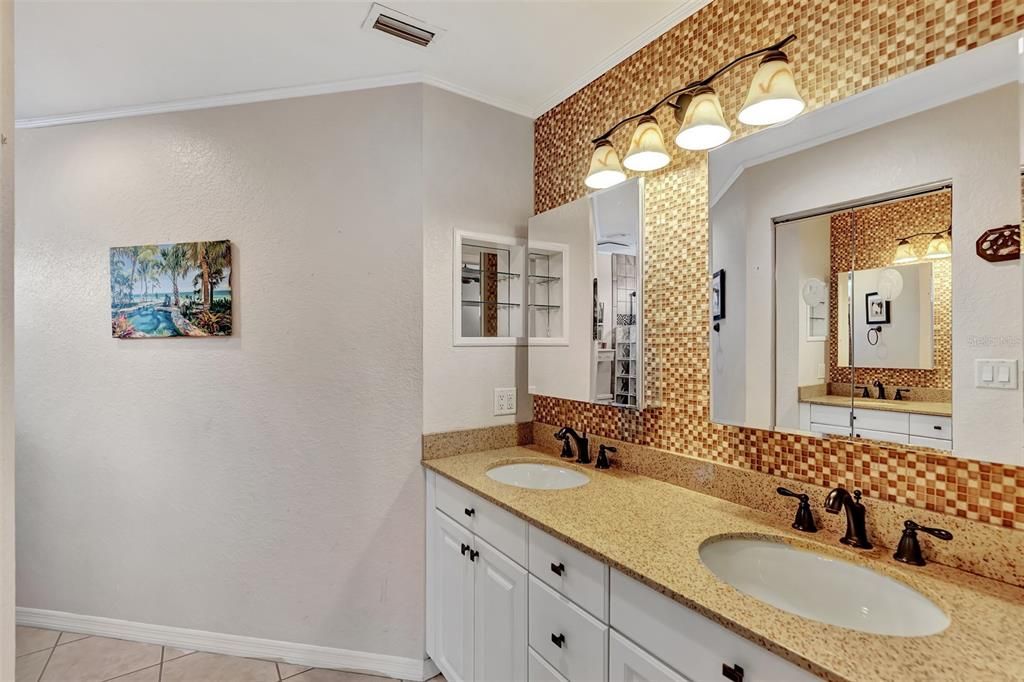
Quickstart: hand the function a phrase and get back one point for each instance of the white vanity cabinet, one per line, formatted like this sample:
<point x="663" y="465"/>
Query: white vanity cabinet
<point x="905" y="428"/>
<point x="508" y="602"/>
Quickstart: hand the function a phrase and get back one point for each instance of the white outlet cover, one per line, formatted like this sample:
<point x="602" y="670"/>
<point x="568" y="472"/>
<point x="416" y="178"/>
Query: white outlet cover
<point x="504" y="401"/>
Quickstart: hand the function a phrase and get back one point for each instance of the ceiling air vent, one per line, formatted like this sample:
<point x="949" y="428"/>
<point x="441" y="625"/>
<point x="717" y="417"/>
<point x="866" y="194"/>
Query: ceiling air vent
<point x="399" y="25"/>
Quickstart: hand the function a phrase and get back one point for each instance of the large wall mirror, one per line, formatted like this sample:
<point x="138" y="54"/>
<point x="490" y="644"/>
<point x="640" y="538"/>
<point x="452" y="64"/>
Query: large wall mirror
<point x="586" y="298"/>
<point x="870" y="248"/>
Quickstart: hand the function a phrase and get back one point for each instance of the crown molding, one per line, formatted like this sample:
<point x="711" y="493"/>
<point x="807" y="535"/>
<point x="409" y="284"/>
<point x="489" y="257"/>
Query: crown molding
<point x="685" y="9"/>
<point x="267" y="95"/>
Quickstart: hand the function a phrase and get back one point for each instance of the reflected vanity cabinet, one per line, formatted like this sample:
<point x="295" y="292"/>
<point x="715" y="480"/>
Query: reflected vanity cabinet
<point x="507" y="602"/>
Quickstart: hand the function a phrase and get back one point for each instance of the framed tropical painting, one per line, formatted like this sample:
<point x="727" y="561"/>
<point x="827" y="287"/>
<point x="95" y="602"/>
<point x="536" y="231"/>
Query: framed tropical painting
<point x="162" y="290"/>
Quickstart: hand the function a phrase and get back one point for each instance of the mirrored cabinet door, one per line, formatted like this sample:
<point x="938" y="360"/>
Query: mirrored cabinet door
<point x="585" y="298"/>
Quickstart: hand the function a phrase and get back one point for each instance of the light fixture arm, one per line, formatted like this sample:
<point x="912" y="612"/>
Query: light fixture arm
<point x="687" y="89"/>
<point x="948" y="230"/>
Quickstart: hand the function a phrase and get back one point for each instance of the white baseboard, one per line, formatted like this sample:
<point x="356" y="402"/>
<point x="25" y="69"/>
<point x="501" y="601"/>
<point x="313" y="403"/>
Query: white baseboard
<point x="233" y="645"/>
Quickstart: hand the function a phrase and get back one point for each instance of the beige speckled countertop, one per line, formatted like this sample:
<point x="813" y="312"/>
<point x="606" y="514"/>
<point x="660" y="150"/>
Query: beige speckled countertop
<point x="914" y="406"/>
<point x="653" y="530"/>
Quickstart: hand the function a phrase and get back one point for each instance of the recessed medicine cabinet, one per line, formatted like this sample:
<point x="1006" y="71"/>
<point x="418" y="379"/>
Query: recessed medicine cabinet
<point x="489" y="295"/>
<point x="585" y="292"/>
<point x="860" y="304"/>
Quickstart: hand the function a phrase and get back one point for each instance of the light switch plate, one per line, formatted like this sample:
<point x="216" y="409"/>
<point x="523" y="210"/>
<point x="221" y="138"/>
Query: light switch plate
<point x="996" y="374"/>
<point x="504" y="401"/>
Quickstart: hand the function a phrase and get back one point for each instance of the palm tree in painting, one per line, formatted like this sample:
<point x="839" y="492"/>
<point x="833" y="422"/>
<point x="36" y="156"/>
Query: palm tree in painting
<point x="175" y="262"/>
<point x="211" y="258"/>
<point x="134" y="255"/>
<point x="144" y="267"/>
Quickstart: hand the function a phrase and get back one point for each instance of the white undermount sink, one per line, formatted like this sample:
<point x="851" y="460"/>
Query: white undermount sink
<point x="822" y="588"/>
<point x="538" y="476"/>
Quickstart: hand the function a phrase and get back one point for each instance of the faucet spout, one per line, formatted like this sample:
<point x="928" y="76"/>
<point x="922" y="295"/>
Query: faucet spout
<point x="582" y="444"/>
<point x="856" y="527"/>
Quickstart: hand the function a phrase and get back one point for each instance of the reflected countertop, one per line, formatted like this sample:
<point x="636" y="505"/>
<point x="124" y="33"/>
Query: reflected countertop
<point x="652" y="531"/>
<point x="938" y="409"/>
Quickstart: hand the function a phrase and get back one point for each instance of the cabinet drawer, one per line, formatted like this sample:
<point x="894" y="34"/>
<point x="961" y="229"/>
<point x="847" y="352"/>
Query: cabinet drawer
<point x="687" y="641"/>
<point x="570" y="639"/>
<point x="541" y="671"/>
<point x="888" y="436"/>
<point x="881" y="420"/>
<point x="576" y="575"/>
<point x="831" y="414"/>
<point x="830" y="430"/>
<point x="937" y="443"/>
<point x="629" y="663"/>
<point x="505" y="531"/>
<point x="931" y="426"/>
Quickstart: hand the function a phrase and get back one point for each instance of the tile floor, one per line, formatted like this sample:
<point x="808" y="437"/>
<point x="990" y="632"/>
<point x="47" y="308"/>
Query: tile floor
<point x="51" y="656"/>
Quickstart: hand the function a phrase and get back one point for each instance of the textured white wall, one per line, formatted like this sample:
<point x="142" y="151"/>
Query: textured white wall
<point x="7" y="343"/>
<point x="267" y="484"/>
<point x="478" y="176"/>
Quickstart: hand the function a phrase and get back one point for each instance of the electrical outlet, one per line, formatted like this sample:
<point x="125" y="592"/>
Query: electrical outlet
<point x="504" y="401"/>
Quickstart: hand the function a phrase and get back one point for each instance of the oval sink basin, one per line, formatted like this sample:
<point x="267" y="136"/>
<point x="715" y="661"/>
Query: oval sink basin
<point x="538" y="476"/>
<point x="822" y="588"/>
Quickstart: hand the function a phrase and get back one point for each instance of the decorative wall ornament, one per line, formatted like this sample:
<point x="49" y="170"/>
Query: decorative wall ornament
<point x="718" y="295"/>
<point x="162" y="290"/>
<point x="999" y="243"/>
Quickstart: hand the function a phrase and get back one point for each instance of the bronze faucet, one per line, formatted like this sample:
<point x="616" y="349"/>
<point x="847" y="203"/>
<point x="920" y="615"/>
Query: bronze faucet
<point x="856" y="530"/>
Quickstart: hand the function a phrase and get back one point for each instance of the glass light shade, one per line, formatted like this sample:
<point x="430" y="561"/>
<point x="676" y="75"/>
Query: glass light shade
<point x="773" y="97"/>
<point x="939" y="247"/>
<point x="904" y="253"/>
<point x="647" y="150"/>
<point x="890" y="284"/>
<point x="605" y="168"/>
<point x="703" y="125"/>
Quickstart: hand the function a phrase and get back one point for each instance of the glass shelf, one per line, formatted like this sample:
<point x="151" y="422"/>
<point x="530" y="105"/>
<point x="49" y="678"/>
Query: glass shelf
<point x="543" y="279"/>
<point x="473" y="274"/>
<point x="543" y="306"/>
<point x="477" y="304"/>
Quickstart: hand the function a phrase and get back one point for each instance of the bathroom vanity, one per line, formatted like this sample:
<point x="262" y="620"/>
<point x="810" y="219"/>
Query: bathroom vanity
<point x="512" y="602"/>
<point x="612" y="580"/>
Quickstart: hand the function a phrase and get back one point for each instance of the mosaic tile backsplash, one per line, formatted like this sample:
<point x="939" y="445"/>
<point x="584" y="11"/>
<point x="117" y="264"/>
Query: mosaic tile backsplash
<point x="842" y="48"/>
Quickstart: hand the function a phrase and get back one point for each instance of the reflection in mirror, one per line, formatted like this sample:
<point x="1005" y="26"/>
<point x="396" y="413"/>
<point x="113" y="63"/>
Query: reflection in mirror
<point x="585" y="298"/>
<point x="855" y="239"/>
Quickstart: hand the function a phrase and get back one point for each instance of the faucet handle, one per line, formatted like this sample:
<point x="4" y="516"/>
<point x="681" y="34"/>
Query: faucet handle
<point x="804" y="518"/>
<point x="909" y="549"/>
<point x="602" y="457"/>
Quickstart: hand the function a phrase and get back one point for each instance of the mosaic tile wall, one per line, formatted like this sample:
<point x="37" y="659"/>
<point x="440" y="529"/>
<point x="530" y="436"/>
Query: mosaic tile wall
<point x="843" y="48"/>
<point x="877" y="230"/>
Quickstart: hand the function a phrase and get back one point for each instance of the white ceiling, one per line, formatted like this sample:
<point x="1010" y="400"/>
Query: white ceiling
<point x="85" y="60"/>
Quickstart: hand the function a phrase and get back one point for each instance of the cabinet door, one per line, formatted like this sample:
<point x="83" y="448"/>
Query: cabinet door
<point x="454" y="604"/>
<point x="500" y="625"/>
<point x="630" y="663"/>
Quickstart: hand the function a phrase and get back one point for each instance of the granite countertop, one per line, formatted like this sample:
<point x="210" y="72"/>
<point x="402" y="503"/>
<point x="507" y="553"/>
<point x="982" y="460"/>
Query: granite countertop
<point x="652" y="531"/>
<point x="915" y="406"/>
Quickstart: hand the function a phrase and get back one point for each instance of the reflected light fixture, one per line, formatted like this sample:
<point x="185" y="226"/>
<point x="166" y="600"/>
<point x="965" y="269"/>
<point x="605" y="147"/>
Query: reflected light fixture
<point x="647" y="149"/>
<point x="605" y="168"/>
<point x="904" y="253"/>
<point x="702" y="122"/>
<point x="940" y="246"/>
<point x="772" y="98"/>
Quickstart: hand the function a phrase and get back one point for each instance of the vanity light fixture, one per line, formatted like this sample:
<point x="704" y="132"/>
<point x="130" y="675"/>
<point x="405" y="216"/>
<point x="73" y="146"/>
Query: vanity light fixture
<point x="940" y="246"/>
<point x="772" y="98"/>
<point x="703" y="123"/>
<point x="904" y="253"/>
<point x="647" y="149"/>
<point x="605" y="167"/>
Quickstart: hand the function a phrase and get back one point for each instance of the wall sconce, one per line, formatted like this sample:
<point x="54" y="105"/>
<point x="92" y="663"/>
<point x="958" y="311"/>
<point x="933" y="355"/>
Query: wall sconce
<point x="940" y="246"/>
<point x="772" y="98"/>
